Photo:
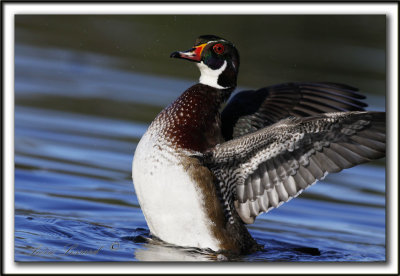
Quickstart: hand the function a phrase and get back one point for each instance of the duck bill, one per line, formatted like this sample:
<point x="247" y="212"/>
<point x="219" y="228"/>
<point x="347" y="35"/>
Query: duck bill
<point x="193" y="54"/>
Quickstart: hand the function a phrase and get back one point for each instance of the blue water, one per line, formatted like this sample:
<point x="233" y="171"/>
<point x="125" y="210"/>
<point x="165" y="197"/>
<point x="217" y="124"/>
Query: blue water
<point x="76" y="129"/>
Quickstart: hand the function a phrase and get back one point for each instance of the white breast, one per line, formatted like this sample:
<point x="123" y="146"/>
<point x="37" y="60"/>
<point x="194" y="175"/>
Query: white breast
<point x="170" y="200"/>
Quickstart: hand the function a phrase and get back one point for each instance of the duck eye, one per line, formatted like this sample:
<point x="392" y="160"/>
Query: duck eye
<point x="219" y="48"/>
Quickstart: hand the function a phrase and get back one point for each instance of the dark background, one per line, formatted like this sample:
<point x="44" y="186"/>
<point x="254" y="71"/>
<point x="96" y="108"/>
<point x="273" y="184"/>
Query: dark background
<point x="273" y="48"/>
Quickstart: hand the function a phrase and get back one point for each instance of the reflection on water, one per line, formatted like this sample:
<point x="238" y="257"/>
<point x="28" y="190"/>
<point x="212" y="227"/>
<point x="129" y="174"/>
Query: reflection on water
<point x="79" y="113"/>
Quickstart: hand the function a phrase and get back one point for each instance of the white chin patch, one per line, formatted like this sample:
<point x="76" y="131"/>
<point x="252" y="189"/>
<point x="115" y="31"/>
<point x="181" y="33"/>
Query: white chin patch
<point x="209" y="76"/>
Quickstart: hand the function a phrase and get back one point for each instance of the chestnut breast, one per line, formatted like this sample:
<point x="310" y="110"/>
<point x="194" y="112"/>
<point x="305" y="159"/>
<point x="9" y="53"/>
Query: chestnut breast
<point x="192" y="122"/>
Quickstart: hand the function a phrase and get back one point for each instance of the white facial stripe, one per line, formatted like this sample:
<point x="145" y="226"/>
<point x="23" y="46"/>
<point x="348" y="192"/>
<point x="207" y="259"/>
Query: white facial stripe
<point x="209" y="76"/>
<point x="221" y="40"/>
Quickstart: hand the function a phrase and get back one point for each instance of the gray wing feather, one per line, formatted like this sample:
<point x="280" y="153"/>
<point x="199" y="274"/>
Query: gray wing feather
<point x="266" y="168"/>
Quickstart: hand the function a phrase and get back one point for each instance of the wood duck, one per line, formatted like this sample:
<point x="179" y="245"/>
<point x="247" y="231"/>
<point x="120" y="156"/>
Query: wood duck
<point x="200" y="174"/>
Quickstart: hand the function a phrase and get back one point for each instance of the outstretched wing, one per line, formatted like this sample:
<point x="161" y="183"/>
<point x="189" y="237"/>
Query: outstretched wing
<point x="262" y="170"/>
<point x="249" y="111"/>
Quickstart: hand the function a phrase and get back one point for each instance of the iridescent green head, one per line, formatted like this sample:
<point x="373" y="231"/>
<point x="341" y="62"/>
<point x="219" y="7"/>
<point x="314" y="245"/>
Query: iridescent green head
<point x="217" y="58"/>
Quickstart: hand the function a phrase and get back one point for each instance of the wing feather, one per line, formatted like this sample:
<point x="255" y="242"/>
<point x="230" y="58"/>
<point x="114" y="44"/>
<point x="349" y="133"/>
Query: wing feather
<point x="272" y="165"/>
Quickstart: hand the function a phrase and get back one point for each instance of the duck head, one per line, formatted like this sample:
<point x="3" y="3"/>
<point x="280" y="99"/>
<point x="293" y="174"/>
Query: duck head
<point x="217" y="59"/>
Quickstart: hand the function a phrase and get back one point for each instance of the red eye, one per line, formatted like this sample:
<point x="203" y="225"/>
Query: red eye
<point x="219" y="48"/>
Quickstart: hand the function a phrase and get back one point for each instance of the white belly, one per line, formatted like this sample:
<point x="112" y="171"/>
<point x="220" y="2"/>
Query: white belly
<point x="171" y="202"/>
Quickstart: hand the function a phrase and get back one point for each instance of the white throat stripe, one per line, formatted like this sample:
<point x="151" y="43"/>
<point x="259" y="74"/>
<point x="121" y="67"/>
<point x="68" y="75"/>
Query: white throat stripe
<point x="209" y="76"/>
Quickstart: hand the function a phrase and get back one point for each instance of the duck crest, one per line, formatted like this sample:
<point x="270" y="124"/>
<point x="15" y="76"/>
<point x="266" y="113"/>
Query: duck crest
<point x="193" y="122"/>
